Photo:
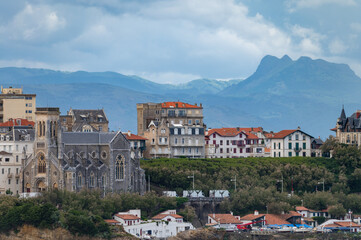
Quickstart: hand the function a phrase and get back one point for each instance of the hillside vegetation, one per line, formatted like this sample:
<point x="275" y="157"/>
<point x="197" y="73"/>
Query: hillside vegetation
<point x="258" y="180"/>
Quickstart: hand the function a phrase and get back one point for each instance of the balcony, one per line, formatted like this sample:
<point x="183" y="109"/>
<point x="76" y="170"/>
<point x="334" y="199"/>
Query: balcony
<point x="297" y="150"/>
<point x="10" y="175"/>
<point x="17" y="175"/>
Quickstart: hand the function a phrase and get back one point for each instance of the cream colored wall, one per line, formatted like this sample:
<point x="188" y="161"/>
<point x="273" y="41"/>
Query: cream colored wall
<point x="16" y="108"/>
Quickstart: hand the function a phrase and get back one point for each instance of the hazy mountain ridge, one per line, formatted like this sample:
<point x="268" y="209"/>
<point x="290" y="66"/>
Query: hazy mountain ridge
<point x="281" y="94"/>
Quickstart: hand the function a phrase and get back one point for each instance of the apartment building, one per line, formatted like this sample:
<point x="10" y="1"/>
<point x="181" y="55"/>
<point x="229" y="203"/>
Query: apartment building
<point x="15" y="104"/>
<point x="16" y="145"/>
<point x="174" y="129"/>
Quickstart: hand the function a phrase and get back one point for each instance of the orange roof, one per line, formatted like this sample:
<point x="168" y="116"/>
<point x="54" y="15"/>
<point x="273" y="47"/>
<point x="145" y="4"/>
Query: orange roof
<point x="224" y="218"/>
<point x="301" y="208"/>
<point x="331" y="225"/>
<point x="133" y="137"/>
<point x="283" y="133"/>
<point x="251" y="216"/>
<point x="15" y="122"/>
<point x="161" y="216"/>
<point x="347" y="224"/>
<point x="178" y="105"/>
<point x="127" y="216"/>
<point x="252" y="129"/>
<point x="269" y="135"/>
<point x="333" y="129"/>
<point x="275" y="219"/>
<point x="110" y="221"/>
<point x="230" y="132"/>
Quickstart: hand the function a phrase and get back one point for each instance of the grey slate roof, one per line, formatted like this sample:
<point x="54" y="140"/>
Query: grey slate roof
<point x="91" y="115"/>
<point x="70" y="138"/>
<point x="354" y="121"/>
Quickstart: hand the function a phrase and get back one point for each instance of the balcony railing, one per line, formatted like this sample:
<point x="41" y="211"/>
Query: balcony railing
<point x="297" y="149"/>
<point x="10" y="175"/>
<point x="17" y="175"/>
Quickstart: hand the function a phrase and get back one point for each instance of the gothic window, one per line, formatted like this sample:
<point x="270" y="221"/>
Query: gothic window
<point x="79" y="180"/>
<point x="43" y="130"/>
<point x="104" y="181"/>
<point x="41" y="164"/>
<point x="51" y="128"/>
<point x="119" y="167"/>
<point x="39" y="129"/>
<point x="91" y="179"/>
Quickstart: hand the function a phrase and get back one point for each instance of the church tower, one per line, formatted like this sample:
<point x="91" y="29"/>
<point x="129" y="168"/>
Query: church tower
<point x="43" y="171"/>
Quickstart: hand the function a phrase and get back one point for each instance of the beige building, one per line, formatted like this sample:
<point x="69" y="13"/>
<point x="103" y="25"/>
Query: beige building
<point x="173" y="129"/>
<point x="348" y="129"/>
<point x="15" y="104"/>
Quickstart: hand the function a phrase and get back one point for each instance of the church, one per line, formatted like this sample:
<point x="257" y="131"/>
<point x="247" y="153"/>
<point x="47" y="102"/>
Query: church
<point x="79" y="160"/>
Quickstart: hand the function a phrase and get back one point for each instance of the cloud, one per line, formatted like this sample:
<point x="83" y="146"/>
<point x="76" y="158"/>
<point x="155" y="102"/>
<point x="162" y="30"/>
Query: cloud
<point x="294" y="5"/>
<point x="337" y="47"/>
<point x="166" y="77"/>
<point x="309" y="40"/>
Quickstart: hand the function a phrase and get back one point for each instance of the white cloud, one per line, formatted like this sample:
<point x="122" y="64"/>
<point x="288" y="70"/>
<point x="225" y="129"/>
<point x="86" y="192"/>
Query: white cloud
<point x="337" y="47"/>
<point x="165" y="77"/>
<point x="356" y="27"/>
<point x="294" y="5"/>
<point x="310" y="41"/>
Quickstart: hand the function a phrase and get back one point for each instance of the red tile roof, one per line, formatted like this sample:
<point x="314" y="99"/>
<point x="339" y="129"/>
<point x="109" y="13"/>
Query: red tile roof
<point x="224" y="218"/>
<point x="14" y="122"/>
<point x="110" y="221"/>
<point x="127" y="216"/>
<point x="230" y="132"/>
<point x="270" y="218"/>
<point x="333" y="129"/>
<point x="133" y="136"/>
<point x="178" y="105"/>
<point x="347" y="224"/>
<point x="161" y="216"/>
<point x="283" y="134"/>
<point x="301" y="208"/>
<point x="251" y="217"/>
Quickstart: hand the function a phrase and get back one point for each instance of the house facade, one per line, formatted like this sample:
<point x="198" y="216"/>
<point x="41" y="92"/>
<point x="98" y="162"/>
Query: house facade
<point x="233" y="143"/>
<point x="348" y="129"/>
<point x="291" y="143"/>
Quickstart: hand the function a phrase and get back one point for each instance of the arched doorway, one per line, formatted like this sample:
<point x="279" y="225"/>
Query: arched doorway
<point x="55" y="186"/>
<point x="41" y="186"/>
<point x="27" y="187"/>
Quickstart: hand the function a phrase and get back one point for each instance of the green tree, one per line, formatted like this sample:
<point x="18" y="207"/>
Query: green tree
<point x="337" y="211"/>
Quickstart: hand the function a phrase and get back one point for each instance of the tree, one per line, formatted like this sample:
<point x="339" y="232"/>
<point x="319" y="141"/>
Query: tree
<point x="330" y="144"/>
<point x="279" y="207"/>
<point x="337" y="211"/>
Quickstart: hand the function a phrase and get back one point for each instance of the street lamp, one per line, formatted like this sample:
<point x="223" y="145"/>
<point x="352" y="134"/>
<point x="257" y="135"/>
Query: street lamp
<point x="281" y="181"/>
<point x="235" y="182"/>
<point x="192" y="176"/>
<point x="323" y="184"/>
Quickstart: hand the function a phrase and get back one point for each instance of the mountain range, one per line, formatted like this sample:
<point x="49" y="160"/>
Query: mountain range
<point x="281" y="94"/>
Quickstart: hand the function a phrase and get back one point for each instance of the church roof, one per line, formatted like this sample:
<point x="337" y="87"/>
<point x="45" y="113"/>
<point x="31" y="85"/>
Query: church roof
<point x="71" y="138"/>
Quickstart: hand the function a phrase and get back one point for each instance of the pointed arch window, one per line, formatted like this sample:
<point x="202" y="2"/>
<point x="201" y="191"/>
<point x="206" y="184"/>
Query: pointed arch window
<point x="79" y="180"/>
<point x="119" y="167"/>
<point x="92" y="179"/>
<point x="41" y="164"/>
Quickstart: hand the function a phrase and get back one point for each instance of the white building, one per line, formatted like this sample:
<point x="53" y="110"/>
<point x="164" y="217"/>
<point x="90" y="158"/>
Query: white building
<point x="291" y="143"/>
<point x="226" y="221"/>
<point x="339" y="225"/>
<point x="233" y="143"/>
<point x="219" y="193"/>
<point x="16" y="145"/>
<point x="163" y="225"/>
<point x="193" y="193"/>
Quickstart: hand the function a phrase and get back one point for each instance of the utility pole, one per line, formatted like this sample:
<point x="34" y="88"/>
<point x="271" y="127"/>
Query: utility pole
<point x="323" y="184"/>
<point x="235" y="182"/>
<point x="281" y="181"/>
<point x="192" y="176"/>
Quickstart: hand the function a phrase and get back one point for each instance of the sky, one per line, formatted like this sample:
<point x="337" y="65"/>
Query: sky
<point x="175" y="41"/>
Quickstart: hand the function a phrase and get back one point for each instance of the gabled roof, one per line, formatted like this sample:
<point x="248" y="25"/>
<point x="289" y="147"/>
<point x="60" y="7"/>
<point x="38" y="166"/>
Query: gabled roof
<point x="347" y="224"/>
<point x="284" y="133"/>
<point x="161" y="216"/>
<point x="252" y="217"/>
<point x="178" y="105"/>
<point x="17" y="122"/>
<point x="132" y="136"/>
<point x="127" y="216"/>
<point x="231" y="132"/>
<point x="270" y="218"/>
<point x="89" y="115"/>
<point x="301" y="208"/>
<point x="224" y="218"/>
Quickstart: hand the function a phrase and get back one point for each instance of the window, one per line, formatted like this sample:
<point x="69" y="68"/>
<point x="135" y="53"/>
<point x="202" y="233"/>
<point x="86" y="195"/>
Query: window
<point x="289" y="137"/>
<point x="3" y="171"/>
<point x="91" y="179"/>
<point x="274" y="145"/>
<point x="289" y="145"/>
<point x="227" y="150"/>
<point x="304" y="146"/>
<point x="119" y="167"/>
<point x="240" y="150"/>
<point x="297" y="146"/>
<point x="162" y="131"/>
<point x="304" y="137"/>
<point x="41" y="164"/>
<point x="182" y="131"/>
<point x="304" y="154"/>
<point x="189" y="131"/>
<point x="176" y="131"/>
<point x="290" y="154"/>
<point x="7" y="159"/>
<point x="176" y="141"/>
<point x="197" y="131"/>
<point x="274" y="154"/>
<point x="279" y="154"/>
<point x="221" y="150"/>
<point x="190" y="122"/>
<point x="296" y="136"/>
<point x="279" y="145"/>
<point x="182" y="140"/>
<point x="227" y="142"/>
<point x="221" y="142"/>
<point x="197" y="121"/>
<point x="79" y="180"/>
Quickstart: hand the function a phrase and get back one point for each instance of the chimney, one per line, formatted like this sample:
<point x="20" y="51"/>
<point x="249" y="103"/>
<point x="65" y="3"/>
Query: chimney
<point x="231" y="213"/>
<point x="256" y="213"/>
<point x="200" y="104"/>
<point x="129" y="134"/>
<point x="298" y="128"/>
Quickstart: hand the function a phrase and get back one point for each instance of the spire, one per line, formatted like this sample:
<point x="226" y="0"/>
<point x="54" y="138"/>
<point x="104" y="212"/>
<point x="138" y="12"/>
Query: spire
<point x="343" y="115"/>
